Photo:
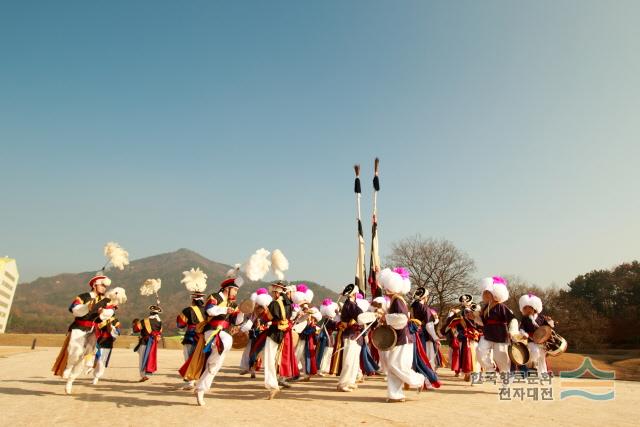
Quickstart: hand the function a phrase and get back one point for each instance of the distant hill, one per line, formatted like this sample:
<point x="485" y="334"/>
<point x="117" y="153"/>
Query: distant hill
<point x="42" y="305"/>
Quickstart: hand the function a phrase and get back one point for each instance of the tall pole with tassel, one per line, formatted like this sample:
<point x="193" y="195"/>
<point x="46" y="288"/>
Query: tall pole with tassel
<point x="374" y="263"/>
<point x="361" y="269"/>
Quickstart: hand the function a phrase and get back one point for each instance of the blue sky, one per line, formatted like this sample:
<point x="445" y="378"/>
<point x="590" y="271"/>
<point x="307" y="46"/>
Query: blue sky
<point x="510" y="128"/>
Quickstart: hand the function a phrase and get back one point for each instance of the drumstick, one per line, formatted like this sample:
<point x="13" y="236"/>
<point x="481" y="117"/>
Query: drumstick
<point x="359" y="336"/>
<point x="325" y="330"/>
<point x="324" y="326"/>
<point x="364" y="330"/>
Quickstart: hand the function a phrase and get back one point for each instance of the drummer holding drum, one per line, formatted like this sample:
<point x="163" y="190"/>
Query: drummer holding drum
<point x="499" y="326"/>
<point x="532" y="319"/>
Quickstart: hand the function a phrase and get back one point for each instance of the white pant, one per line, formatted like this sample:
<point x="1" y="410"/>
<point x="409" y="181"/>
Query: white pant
<point x="382" y="355"/>
<point x="432" y="354"/>
<point x="350" y="363"/>
<point x="81" y="347"/>
<point x="100" y="366"/>
<point x="325" y="362"/>
<point x="500" y="355"/>
<point x="538" y="356"/>
<point x="399" y="372"/>
<point x="141" y="351"/>
<point x="300" y="357"/>
<point x="244" y="360"/>
<point x="215" y="360"/>
<point x="270" y="364"/>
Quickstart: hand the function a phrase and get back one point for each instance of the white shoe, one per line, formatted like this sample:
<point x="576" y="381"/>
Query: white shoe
<point x="200" y="398"/>
<point x="68" y="386"/>
<point x="95" y="381"/>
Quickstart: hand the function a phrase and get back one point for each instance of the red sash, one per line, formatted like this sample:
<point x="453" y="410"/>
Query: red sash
<point x="288" y="362"/>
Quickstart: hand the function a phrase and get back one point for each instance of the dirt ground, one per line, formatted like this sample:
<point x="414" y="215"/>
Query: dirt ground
<point x="31" y="395"/>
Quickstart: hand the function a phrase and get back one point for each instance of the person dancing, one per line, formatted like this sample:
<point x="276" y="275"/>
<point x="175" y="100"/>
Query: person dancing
<point x="399" y="360"/>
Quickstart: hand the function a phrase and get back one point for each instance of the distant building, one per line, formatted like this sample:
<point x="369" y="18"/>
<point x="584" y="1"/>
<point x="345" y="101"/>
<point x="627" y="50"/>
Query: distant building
<point x="8" y="282"/>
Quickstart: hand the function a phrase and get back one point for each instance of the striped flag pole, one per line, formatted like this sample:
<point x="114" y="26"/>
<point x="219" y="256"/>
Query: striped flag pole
<point x="361" y="269"/>
<point x="374" y="263"/>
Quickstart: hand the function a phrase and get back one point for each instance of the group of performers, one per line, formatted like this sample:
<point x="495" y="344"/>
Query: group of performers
<point x="479" y="335"/>
<point x="289" y="339"/>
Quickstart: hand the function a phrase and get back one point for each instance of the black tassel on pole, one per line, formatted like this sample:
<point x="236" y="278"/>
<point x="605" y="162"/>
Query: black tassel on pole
<point x="376" y="181"/>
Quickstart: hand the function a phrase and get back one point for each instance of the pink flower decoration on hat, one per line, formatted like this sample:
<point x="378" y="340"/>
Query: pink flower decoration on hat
<point x="302" y="287"/>
<point x="359" y="296"/>
<point x="402" y="272"/>
<point x="327" y="301"/>
<point x="499" y="280"/>
<point x="262" y="291"/>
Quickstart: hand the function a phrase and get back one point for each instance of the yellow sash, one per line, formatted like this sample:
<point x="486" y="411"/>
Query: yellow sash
<point x="197" y="361"/>
<point x="198" y="314"/>
<point x="147" y="325"/>
<point x="283" y="324"/>
<point x="202" y="322"/>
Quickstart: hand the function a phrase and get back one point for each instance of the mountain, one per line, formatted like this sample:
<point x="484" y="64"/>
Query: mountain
<point x="42" y="305"/>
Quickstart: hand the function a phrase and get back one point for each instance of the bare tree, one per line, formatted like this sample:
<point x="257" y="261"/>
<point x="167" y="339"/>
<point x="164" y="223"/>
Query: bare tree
<point x="436" y="264"/>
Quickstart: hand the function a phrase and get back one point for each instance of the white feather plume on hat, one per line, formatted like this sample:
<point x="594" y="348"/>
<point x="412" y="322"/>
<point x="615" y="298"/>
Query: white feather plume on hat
<point x="329" y="310"/>
<point x="497" y="286"/>
<point x="150" y="287"/>
<point x="530" y="300"/>
<point x="263" y="300"/>
<point x="309" y="295"/>
<point x="195" y="280"/>
<point x="116" y="255"/>
<point x="500" y="292"/>
<point x="279" y="263"/>
<point x="117" y="295"/>
<point x="299" y="298"/>
<point x="393" y="282"/>
<point x="486" y="284"/>
<point x="261" y="297"/>
<point x="258" y="265"/>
